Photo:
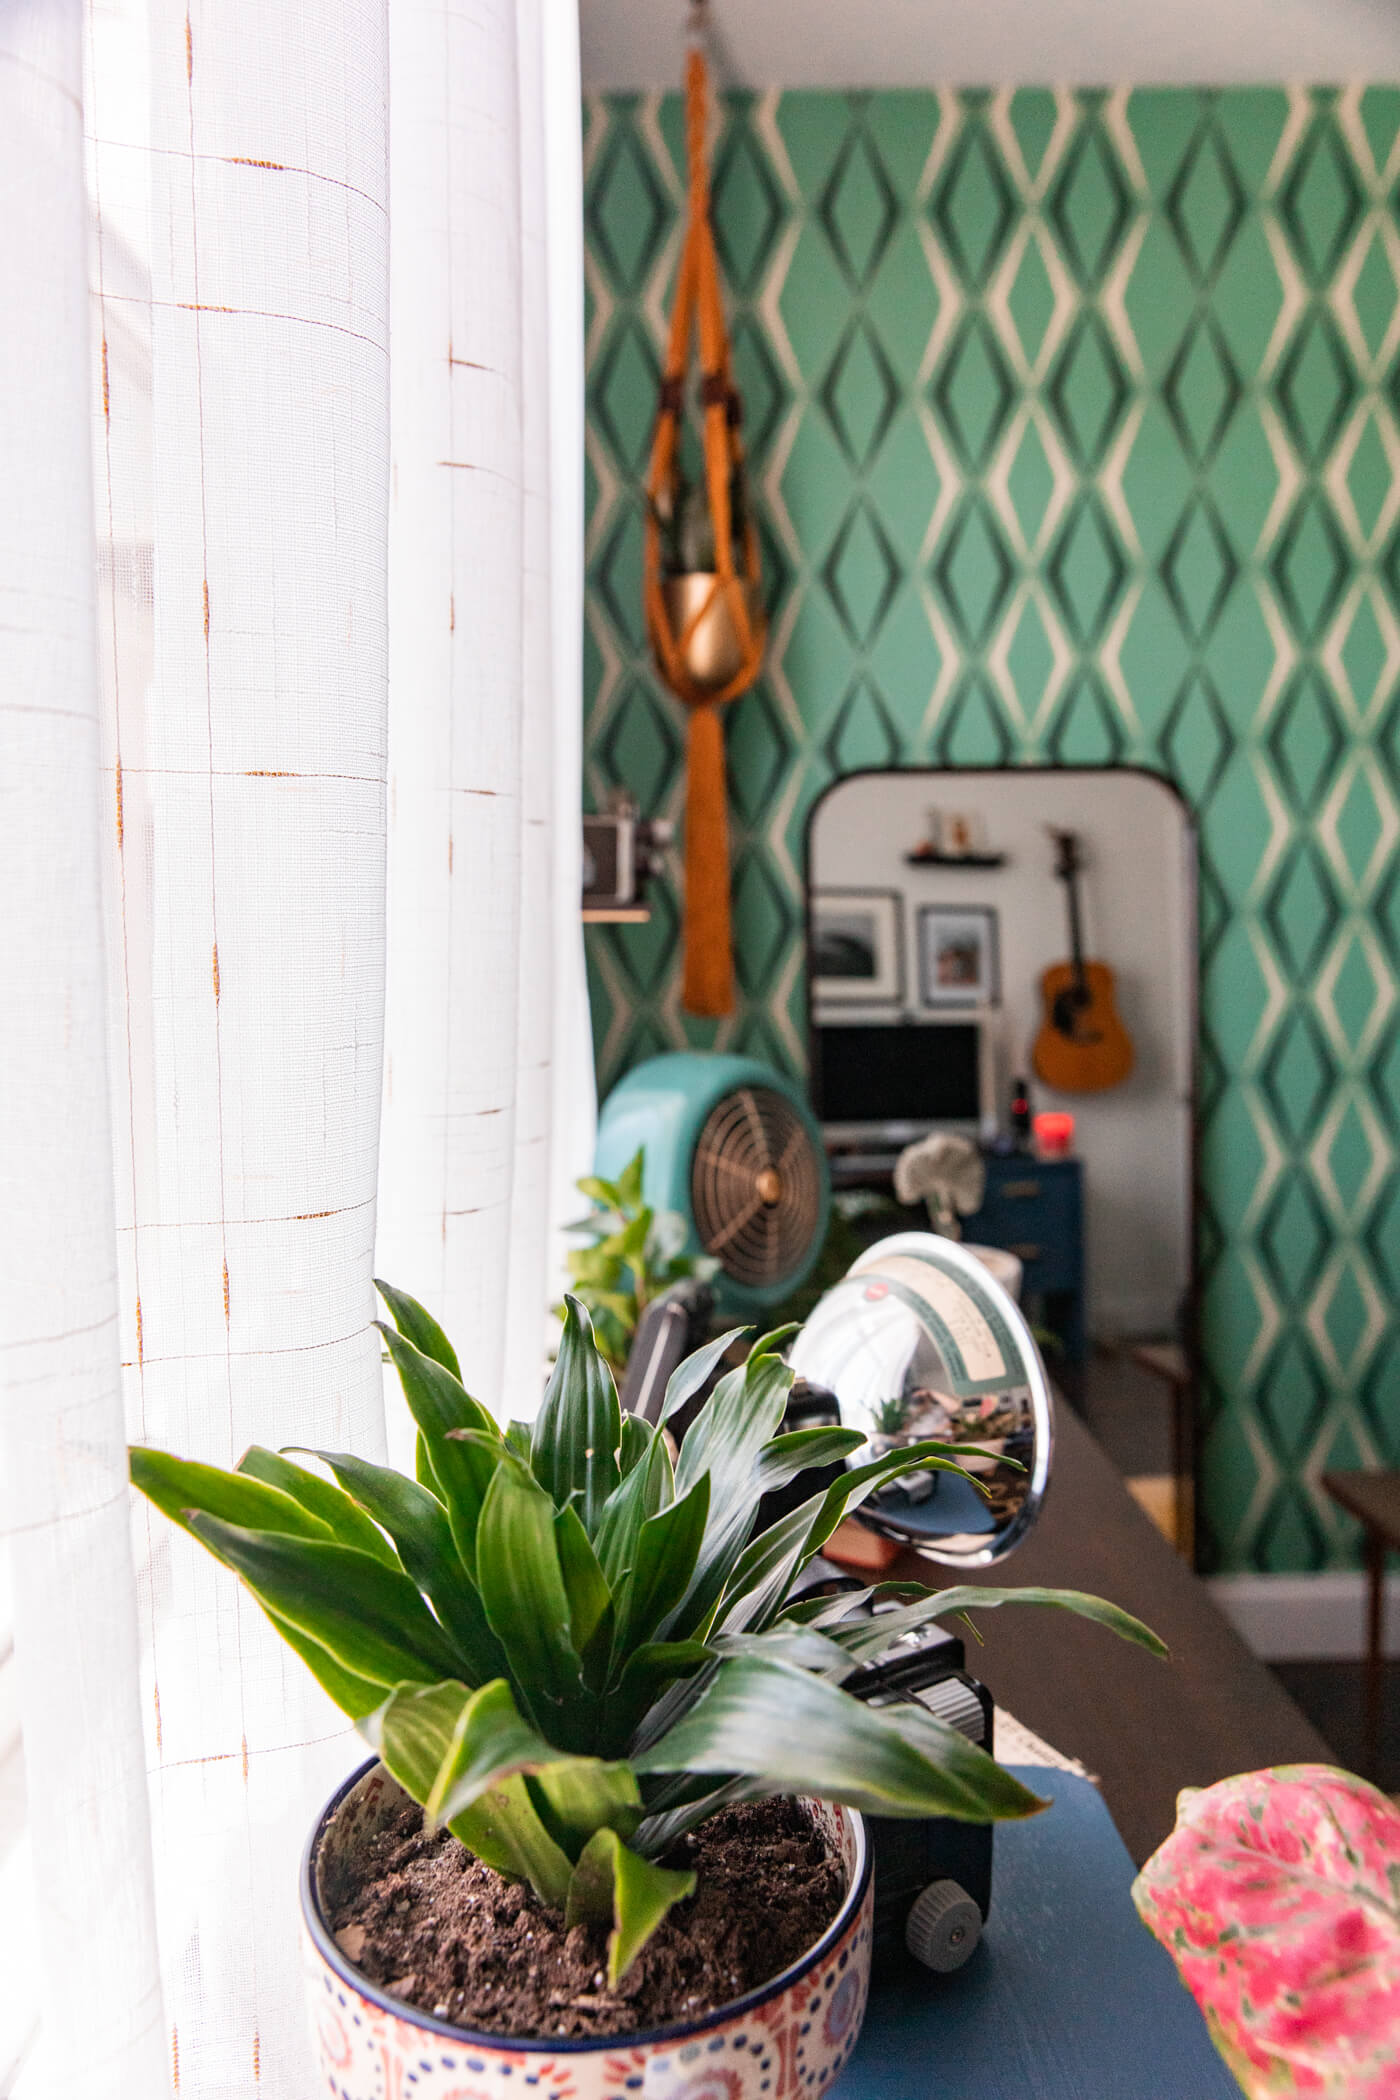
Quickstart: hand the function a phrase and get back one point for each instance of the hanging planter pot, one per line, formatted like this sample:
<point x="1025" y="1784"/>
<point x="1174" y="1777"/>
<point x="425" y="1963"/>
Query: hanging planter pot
<point x="704" y="612"/>
<point x="712" y="618"/>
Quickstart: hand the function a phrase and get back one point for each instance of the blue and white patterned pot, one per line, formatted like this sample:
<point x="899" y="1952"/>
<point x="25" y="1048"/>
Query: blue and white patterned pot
<point x="789" y="2038"/>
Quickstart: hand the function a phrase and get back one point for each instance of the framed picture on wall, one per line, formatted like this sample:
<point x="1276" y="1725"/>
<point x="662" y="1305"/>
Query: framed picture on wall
<point x="857" y="951"/>
<point x="958" y="962"/>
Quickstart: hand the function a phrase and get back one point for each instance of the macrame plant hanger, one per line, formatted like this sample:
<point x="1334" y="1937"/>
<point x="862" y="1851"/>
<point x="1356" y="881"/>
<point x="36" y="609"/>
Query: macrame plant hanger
<point x="706" y="624"/>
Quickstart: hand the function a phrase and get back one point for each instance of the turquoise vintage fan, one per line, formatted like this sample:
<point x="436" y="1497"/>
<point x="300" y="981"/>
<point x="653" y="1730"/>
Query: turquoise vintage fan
<point x="731" y="1145"/>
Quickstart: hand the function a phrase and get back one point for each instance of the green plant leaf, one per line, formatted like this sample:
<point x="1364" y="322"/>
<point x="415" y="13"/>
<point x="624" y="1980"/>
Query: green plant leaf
<point x="612" y="1884"/>
<point x="660" y="1660"/>
<point x="419" y="1327"/>
<point x="826" y="1611"/>
<point x="606" y="1194"/>
<point x="629" y="1181"/>
<point x="461" y="1468"/>
<point x="780" y="1461"/>
<point x="371" y="1618"/>
<point x="578" y="1795"/>
<point x="771" y="1344"/>
<point x="725" y="1440"/>
<point x="417" y="1523"/>
<point x="690" y="1375"/>
<point x="579" y="1425"/>
<point x="872" y="1637"/>
<point x="766" y="1569"/>
<point x="636" y="1443"/>
<point x="413" y="1731"/>
<point x="489" y="1742"/>
<point x="518" y="1440"/>
<point x="522" y="1588"/>
<point x="588" y="1594"/>
<point x="179" y="1486"/>
<point x="800" y="1734"/>
<point x="668" y="1545"/>
<point x="649" y="1487"/>
<point x="341" y="1516"/>
<point x="802" y="1646"/>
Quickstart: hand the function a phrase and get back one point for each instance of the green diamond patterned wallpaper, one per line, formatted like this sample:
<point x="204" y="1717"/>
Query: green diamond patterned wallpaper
<point x="1075" y="422"/>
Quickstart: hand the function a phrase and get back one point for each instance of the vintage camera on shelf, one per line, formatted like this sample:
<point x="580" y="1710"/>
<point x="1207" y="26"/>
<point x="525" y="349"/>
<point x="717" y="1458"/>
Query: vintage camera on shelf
<point x="917" y="1340"/>
<point x="621" y="851"/>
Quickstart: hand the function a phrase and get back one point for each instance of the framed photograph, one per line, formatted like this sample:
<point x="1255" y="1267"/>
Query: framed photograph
<point x="857" y="951"/>
<point x="958" y="962"/>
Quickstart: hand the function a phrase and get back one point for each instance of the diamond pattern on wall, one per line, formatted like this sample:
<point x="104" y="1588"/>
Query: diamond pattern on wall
<point x="1075" y="427"/>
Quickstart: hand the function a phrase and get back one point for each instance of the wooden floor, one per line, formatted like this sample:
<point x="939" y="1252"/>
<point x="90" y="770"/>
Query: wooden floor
<point x="1146" y="1728"/>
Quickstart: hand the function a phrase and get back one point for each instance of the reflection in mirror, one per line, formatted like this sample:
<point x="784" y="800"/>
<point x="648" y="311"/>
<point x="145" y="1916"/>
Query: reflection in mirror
<point x="918" y="1341"/>
<point x="988" y="947"/>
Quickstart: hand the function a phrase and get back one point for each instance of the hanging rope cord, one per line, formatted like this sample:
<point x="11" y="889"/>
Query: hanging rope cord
<point x="708" y="986"/>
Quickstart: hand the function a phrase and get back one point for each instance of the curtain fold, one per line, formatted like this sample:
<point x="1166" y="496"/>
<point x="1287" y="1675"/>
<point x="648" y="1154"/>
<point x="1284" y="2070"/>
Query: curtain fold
<point x="319" y="710"/>
<point x="239" y="173"/>
<point x="63" y="1495"/>
<point x="485" y="1011"/>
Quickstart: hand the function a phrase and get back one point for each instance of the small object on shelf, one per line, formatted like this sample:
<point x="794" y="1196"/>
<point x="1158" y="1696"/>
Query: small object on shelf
<point x="621" y="851"/>
<point x="958" y="832"/>
<point x="1054" y="1133"/>
<point x="1020" y="1115"/>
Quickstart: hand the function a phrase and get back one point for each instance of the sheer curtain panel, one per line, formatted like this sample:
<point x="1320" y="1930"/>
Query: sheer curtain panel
<point x="239" y="171"/>
<point x="201" y="861"/>
<point x="84" y="1904"/>
<point x="488" y="1082"/>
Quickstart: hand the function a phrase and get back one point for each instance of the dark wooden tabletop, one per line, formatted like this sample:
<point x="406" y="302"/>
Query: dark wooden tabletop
<point x="1145" y="1728"/>
<point x="1374" y="1497"/>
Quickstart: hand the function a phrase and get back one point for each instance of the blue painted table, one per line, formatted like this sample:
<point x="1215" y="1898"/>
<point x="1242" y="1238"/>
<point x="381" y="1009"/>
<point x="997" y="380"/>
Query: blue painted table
<point x="1067" y="1998"/>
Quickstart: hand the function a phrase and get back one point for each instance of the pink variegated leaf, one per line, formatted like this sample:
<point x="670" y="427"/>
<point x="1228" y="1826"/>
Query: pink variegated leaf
<point x="1278" y="1898"/>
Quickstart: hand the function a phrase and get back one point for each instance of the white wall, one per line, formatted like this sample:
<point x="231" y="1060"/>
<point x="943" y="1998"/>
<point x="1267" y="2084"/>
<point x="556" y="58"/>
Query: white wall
<point x="927" y="43"/>
<point x="1138" y="912"/>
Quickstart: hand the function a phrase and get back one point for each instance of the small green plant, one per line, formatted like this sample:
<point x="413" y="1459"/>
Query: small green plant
<point x="570" y="1650"/>
<point x="634" y="1253"/>
<point x="890" y="1415"/>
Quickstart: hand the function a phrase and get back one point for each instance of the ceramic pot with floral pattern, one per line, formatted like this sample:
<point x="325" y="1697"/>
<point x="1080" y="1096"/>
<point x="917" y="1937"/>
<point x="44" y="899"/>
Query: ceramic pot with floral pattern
<point x="791" y="2037"/>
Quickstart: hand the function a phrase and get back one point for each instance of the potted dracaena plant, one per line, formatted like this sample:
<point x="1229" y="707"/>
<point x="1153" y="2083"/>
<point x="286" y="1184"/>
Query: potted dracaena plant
<point x="578" y="1655"/>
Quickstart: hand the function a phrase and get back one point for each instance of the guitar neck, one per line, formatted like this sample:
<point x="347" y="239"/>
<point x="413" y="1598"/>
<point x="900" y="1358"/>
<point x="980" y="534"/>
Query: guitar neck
<point x="1076" y="945"/>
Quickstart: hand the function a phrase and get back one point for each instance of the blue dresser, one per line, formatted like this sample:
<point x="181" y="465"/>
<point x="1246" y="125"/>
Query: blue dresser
<point x="1035" y="1209"/>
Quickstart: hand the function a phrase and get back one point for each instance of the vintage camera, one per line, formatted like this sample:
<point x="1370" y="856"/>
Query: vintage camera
<point x="933" y="1877"/>
<point x="621" y="851"/>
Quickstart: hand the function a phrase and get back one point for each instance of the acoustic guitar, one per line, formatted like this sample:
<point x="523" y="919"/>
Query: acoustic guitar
<point x="1082" y="1047"/>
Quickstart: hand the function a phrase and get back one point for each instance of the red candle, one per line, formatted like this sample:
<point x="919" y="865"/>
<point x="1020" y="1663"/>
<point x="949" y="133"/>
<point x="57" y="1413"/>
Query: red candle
<point x="1054" y="1133"/>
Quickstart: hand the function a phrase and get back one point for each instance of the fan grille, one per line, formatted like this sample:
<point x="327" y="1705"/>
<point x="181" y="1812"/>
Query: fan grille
<point x="754" y="1186"/>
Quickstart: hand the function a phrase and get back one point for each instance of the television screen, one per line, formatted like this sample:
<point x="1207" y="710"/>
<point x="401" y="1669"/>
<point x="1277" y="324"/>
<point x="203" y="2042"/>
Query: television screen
<point x="897" y="1074"/>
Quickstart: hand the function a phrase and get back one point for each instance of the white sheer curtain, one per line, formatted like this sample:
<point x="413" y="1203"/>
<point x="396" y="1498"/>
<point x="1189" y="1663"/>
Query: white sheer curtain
<point x="263" y="665"/>
<point x="488" y="1082"/>
<point x="70" y="1678"/>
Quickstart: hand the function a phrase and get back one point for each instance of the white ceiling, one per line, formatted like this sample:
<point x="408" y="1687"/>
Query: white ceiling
<point x="924" y="43"/>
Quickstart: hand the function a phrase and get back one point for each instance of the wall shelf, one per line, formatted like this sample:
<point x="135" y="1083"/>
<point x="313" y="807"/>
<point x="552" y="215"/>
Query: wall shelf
<point x="955" y="860"/>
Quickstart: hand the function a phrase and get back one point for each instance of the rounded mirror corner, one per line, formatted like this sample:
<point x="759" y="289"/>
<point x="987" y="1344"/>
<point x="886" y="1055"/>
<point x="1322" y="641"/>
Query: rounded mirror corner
<point x="921" y="1338"/>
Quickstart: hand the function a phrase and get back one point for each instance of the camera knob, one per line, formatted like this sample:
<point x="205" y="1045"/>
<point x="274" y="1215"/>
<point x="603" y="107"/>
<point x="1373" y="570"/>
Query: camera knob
<point x="943" y="1927"/>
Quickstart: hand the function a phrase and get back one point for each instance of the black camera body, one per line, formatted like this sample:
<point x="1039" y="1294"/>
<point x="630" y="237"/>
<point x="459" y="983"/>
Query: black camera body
<point x="912" y="1856"/>
<point x="933" y="1875"/>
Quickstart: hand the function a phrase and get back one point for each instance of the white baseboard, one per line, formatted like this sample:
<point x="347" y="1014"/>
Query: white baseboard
<point x="1305" y="1618"/>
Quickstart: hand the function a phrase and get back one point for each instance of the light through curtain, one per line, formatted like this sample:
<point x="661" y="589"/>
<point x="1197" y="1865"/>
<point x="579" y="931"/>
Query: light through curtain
<point x="488" y="1109"/>
<point x="238" y="168"/>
